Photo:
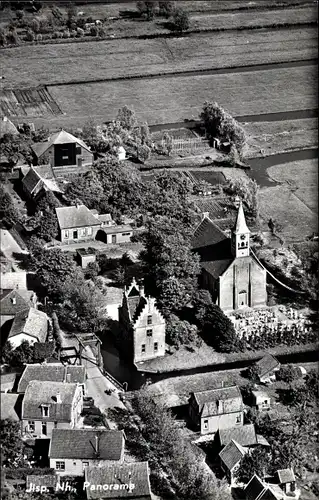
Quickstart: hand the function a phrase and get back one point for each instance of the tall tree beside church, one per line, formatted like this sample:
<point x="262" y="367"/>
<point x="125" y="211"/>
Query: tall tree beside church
<point x="219" y="331"/>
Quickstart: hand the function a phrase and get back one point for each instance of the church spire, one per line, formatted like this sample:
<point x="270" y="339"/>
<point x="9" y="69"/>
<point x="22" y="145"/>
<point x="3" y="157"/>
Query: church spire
<point x="240" y="235"/>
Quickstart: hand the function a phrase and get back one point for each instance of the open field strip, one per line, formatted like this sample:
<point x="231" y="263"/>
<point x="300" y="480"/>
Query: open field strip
<point x="280" y="136"/>
<point x="179" y="98"/>
<point x="28" y="65"/>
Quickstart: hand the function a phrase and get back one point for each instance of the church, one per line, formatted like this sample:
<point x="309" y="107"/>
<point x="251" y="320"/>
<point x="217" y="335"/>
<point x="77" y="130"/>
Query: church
<point x="229" y="270"/>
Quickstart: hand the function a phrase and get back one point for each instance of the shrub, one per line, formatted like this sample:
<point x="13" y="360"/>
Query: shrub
<point x="80" y="32"/>
<point x="253" y="372"/>
<point x="66" y="34"/>
<point x="288" y="373"/>
<point x="30" y="36"/>
<point x="180" y="20"/>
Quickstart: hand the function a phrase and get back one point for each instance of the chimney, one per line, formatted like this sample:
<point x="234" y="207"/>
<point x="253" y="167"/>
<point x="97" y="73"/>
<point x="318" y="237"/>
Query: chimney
<point x="97" y="443"/>
<point x="142" y="291"/>
<point x="58" y="398"/>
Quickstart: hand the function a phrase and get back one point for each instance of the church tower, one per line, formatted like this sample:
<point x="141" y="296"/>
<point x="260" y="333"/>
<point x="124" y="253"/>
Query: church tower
<point x="240" y="235"/>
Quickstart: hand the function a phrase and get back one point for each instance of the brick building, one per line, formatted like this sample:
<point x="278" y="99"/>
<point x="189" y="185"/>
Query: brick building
<point x="142" y="324"/>
<point x="229" y="271"/>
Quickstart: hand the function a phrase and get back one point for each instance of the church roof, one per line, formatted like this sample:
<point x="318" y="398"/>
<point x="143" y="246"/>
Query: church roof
<point x="213" y="247"/>
<point x="240" y="224"/>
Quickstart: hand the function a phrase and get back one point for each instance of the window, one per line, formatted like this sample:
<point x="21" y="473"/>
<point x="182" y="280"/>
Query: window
<point x="55" y="425"/>
<point x="59" y="465"/>
<point x="83" y="231"/>
<point x="149" y="332"/>
<point x="126" y="234"/>
<point x="143" y="348"/>
<point x="155" y="346"/>
<point x="78" y="150"/>
<point x="31" y="426"/>
<point x="149" y="320"/>
<point x="89" y="231"/>
<point x="44" y="428"/>
<point x="205" y="424"/>
<point x="66" y="234"/>
<point x="45" y="411"/>
<point x="238" y="419"/>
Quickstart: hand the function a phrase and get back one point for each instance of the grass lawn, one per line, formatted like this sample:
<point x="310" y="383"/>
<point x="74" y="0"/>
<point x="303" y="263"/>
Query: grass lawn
<point x="280" y="136"/>
<point x="28" y="65"/>
<point x="177" y="98"/>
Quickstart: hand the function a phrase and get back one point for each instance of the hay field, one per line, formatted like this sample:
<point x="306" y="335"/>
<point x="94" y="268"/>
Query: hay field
<point x="28" y="65"/>
<point x="175" y="99"/>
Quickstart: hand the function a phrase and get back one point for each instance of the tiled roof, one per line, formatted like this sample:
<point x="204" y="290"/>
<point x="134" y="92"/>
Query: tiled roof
<point x="15" y="301"/>
<point x="262" y="440"/>
<point x="44" y="171"/>
<point x="267" y="364"/>
<point x="136" y="473"/>
<point x="76" y="216"/>
<point x="105" y="217"/>
<point x="38" y="393"/>
<point x="52" y="372"/>
<point x="10" y="406"/>
<point x="61" y="137"/>
<point x="213" y="247"/>
<point x="48" y="480"/>
<point x="254" y="488"/>
<point x="7" y="381"/>
<point x="219" y="401"/>
<point x="286" y="476"/>
<point x="82" y="443"/>
<point x="232" y="454"/>
<point x="31" y="322"/>
<point x="244" y="435"/>
<point x="14" y="280"/>
<point x="31" y="180"/>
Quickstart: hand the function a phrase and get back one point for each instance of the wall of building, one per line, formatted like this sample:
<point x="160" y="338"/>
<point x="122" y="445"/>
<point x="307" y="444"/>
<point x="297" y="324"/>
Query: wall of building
<point x="224" y="421"/>
<point x="124" y="237"/>
<point x="67" y="235"/>
<point x="75" y="467"/>
<point x="18" y="339"/>
<point x="38" y="428"/>
<point x="142" y="338"/>
<point x="87" y="157"/>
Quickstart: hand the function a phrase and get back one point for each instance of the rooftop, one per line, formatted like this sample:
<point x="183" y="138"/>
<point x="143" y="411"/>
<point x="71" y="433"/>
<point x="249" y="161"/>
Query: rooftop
<point x="14" y="280"/>
<point x="87" y="444"/>
<point x="245" y="435"/>
<point x="15" y="301"/>
<point x="61" y="137"/>
<point x="136" y="473"/>
<point x="254" y="488"/>
<point x="232" y="454"/>
<point x="7" y="127"/>
<point x="267" y="364"/>
<point x="221" y="400"/>
<point x="51" y="372"/>
<point x="286" y="476"/>
<point x="31" y="322"/>
<point x="34" y="176"/>
<point x="76" y="216"/>
<point x="10" y="406"/>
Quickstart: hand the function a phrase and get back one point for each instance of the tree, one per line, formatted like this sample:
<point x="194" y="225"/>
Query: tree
<point x="180" y="20"/>
<point x="47" y="228"/>
<point x="7" y="208"/>
<point x="288" y="373"/>
<point x="168" y="143"/>
<point x="22" y="355"/>
<point x="91" y="271"/>
<point x="166" y="9"/>
<point x="126" y="118"/>
<point x="248" y="190"/>
<point x="29" y="36"/>
<point x="255" y="462"/>
<point x="86" y="189"/>
<point x="143" y="152"/>
<point x="179" y="333"/>
<point x="11" y="443"/>
<point x="35" y="25"/>
<point x="219" y="331"/>
<point x="146" y="9"/>
<point x="253" y="372"/>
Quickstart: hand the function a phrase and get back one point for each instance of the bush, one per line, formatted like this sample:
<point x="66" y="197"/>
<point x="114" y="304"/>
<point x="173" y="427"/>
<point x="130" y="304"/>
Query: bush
<point x="253" y="372"/>
<point x="288" y="373"/>
<point x="80" y="32"/>
<point x="30" y="36"/>
<point x="180" y="20"/>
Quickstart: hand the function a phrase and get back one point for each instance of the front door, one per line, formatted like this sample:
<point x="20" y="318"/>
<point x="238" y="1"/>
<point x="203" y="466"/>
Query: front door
<point x="113" y="238"/>
<point x="75" y="235"/>
<point x="242" y="299"/>
<point x="44" y="428"/>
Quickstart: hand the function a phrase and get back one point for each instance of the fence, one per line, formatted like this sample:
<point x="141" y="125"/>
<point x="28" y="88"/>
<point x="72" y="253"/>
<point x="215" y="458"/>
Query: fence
<point x="189" y="143"/>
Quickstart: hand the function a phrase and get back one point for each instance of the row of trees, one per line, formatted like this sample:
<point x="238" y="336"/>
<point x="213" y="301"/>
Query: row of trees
<point x="179" y="17"/>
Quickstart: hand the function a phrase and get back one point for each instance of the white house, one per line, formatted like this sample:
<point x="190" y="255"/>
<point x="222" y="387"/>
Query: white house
<point x="30" y="325"/>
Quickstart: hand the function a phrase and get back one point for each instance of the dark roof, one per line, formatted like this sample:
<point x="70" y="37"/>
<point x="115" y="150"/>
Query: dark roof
<point x="267" y="364"/>
<point x="31" y="180"/>
<point x="61" y="137"/>
<point x="52" y="372"/>
<point x="136" y="473"/>
<point x="254" y="488"/>
<point x="81" y="443"/>
<point x="219" y="401"/>
<point x="22" y="299"/>
<point x="38" y="393"/>
<point x="232" y="454"/>
<point x="213" y="246"/>
<point x="75" y="216"/>
<point x="48" y="480"/>
<point x="268" y="494"/>
<point x="286" y="476"/>
<point x="244" y="435"/>
<point x="30" y="322"/>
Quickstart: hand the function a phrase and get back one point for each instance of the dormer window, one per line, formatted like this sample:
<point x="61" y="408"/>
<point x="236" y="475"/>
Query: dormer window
<point x="45" y="410"/>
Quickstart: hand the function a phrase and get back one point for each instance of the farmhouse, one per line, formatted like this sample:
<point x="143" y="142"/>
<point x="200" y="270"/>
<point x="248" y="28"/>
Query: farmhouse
<point x="73" y="450"/>
<point x="49" y="406"/>
<point x="30" y="325"/>
<point x="76" y="224"/>
<point x="52" y="372"/>
<point x="65" y="153"/>
<point x="216" y="409"/>
<point x="267" y="368"/>
<point x="142" y="324"/>
<point x="229" y="271"/>
<point x="280" y="487"/>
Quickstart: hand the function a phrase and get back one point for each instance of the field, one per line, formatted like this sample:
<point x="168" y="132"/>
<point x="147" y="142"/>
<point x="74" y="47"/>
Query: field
<point x="28" y="102"/>
<point x="28" y="65"/>
<point x="279" y="136"/>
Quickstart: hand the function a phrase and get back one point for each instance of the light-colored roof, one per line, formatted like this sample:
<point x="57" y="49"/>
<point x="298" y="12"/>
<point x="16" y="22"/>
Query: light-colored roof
<point x="261" y="394"/>
<point x="52" y="372"/>
<point x="219" y="401"/>
<point x="232" y="454"/>
<point x="117" y="229"/>
<point x="286" y="476"/>
<point x="7" y="127"/>
<point x="9" y="406"/>
<point x="38" y="393"/>
<point x="12" y="280"/>
<point x="30" y="322"/>
<point x="33" y="177"/>
<point x="136" y="473"/>
<point x="240" y="224"/>
<point x="61" y="137"/>
<point x="76" y="216"/>
<point x="105" y="217"/>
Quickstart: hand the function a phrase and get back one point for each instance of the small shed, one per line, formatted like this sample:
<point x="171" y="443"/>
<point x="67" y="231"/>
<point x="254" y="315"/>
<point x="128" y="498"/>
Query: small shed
<point x="287" y="480"/>
<point x="260" y="400"/>
<point x="121" y="153"/>
<point x="86" y="256"/>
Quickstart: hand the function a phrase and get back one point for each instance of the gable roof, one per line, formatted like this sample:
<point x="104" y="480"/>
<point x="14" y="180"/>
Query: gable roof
<point x="52" y="372"/>
<point x="36" y="175"/>
<point x="213" y="246"/>
<point x="232" y="454"/>
<point x="245" y="435"/>
<point x="75" y="216"/>
<point x="254" y="488"/>
<point x="136" y="473"/>
<point x="267" y="364"/>
<point x="37" y="393"/>
<point x="7" y="127"/>
<point x="31" y="180"/>
<point x="14" y="301"/>
<point x="7" y="381"/>
<point x="30" y="322"/>
<point x="61" y="137"/>
<point x="286" y="476"/>
<point x="84" y="443"/>
<point x="219" y="401"/>
<point x="10" y="406"/>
